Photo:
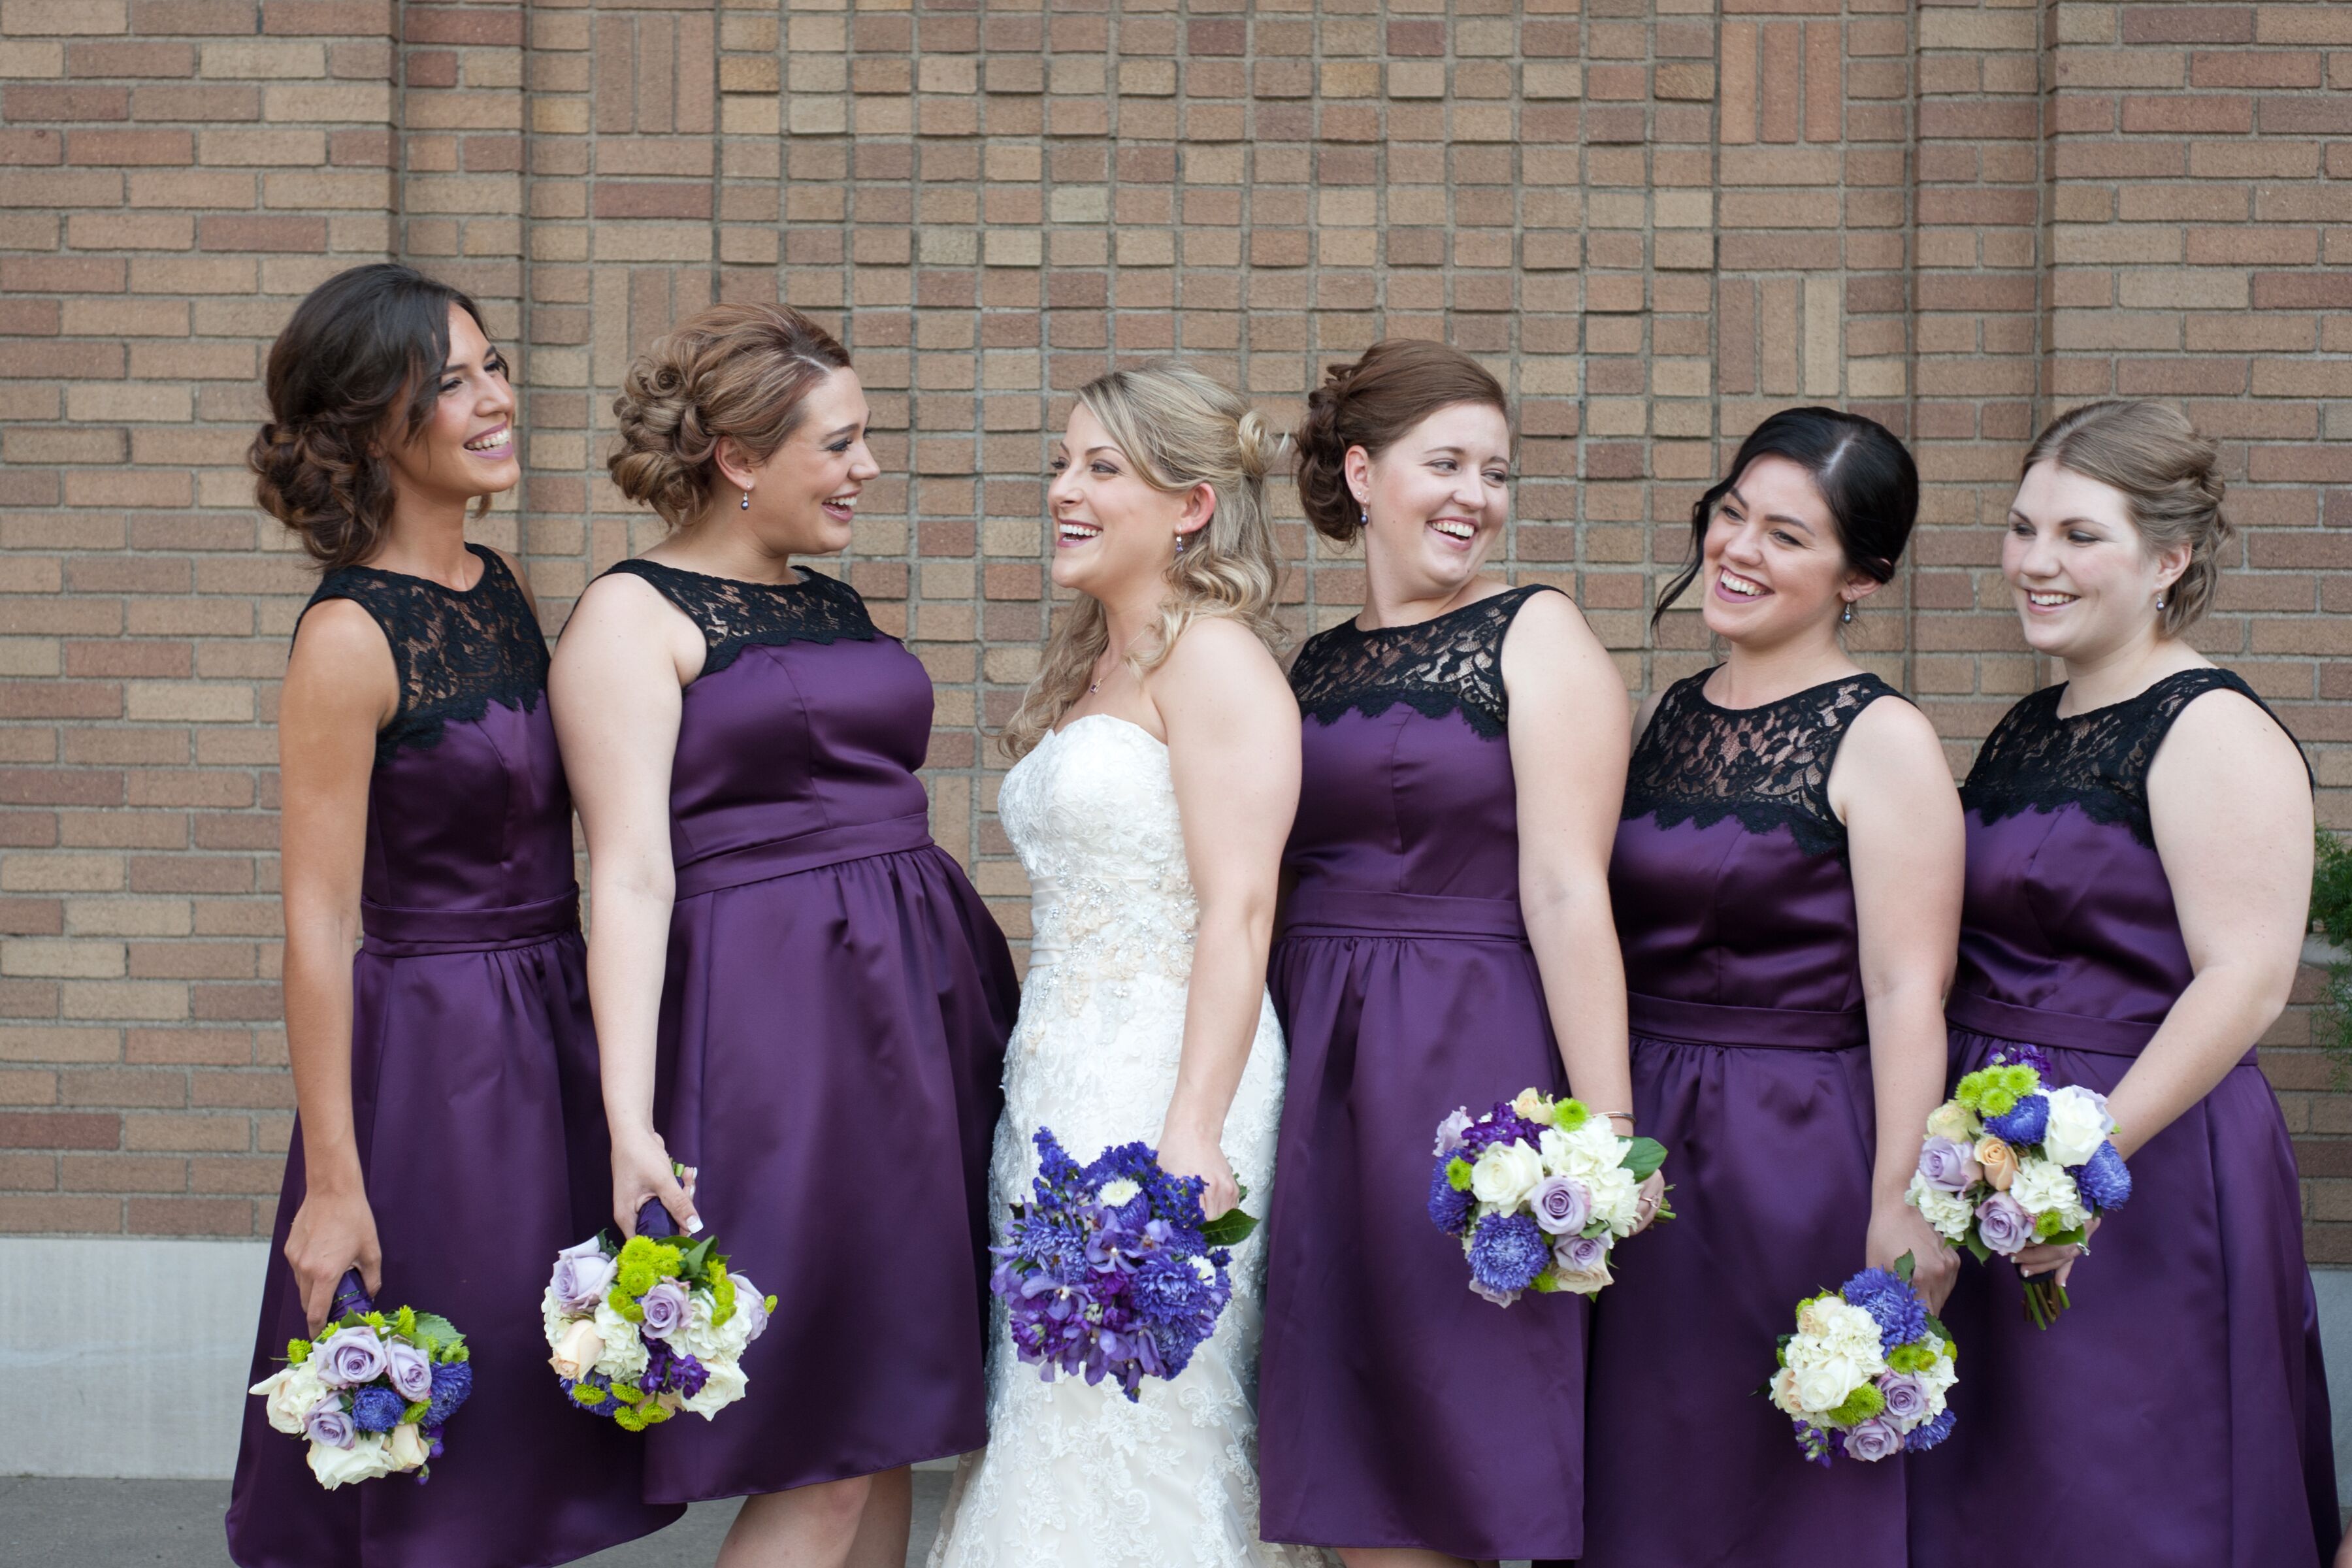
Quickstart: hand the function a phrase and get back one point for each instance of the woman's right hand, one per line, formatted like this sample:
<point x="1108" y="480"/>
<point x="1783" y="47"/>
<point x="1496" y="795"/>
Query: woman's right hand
<point x="333" y="1232"/>
<point x="642" y="1169"/>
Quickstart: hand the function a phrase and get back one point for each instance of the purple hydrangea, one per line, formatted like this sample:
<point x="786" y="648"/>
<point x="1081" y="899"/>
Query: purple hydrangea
<point x="2104" y="1180"/>
<point x="1507" y="1251"/>
<point x="452" y="1382"/>
<point x="376" y="1408"/>
<point x="1891" y="1305"/>
<point x="2025" y="1122"/>
<point x="1449" y="1211"/>
<point x="1922" y="1438"/>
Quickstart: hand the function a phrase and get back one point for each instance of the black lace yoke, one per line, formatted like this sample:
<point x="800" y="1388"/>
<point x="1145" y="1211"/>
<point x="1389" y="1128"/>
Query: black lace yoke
<point x="1448" y="664"/>
<point x="2035" y="760"/>
<point x="733" y="614"/>
<point x="1769" y="765"/>
<point x="455" y="652"/>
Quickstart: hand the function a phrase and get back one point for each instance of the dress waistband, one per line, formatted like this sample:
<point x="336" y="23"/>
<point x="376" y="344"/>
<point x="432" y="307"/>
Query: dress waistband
<point x="394" y="932"/>
<point x="2041" y="1026"/>
<point x="805" y="852"/>
<point x="1325" y="910"/>
<point x="1713" y="1024"/>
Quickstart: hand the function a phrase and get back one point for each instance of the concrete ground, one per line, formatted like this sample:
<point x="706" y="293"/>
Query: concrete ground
<point x="48" y="1523"/>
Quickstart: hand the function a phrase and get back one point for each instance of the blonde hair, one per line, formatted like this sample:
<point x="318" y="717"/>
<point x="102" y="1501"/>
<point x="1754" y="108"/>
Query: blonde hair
<point x="1179" y="428"/>
<point x="2168" y="476"/>
<point x="741" y="372"/>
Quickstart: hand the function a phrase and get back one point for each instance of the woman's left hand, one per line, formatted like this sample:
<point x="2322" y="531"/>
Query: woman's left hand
<point x="1647" y="1201"/>
<point x="2040" y="1260"/>
<point x="1895" y="1229"/>
<point x="1182" y="1153"/>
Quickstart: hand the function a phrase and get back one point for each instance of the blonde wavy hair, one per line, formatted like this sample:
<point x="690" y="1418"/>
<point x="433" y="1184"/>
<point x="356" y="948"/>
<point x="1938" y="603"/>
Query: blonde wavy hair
<point x="1179" y="428"/>
<point x="2170" y="479"/>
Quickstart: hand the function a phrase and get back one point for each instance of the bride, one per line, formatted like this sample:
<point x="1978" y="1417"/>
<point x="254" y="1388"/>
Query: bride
<point x="1158" y="768"/>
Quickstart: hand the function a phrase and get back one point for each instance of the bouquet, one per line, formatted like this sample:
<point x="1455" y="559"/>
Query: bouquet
<point x="371" y="1392"/>
<point x="1538" y="1191"/>
<point x="1113" y="1271"/>
<point x="1866" y="1371"/>
<point x="642" y="1329"/>
<point x="2010" y="1162"/>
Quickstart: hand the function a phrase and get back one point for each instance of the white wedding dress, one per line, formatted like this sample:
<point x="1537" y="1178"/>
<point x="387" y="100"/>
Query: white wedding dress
<point x="1073" y="1476"/>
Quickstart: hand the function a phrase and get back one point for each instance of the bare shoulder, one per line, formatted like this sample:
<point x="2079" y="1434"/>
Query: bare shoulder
<point x="1892" y="737"/>
<point x="1647" y="711"/>
<point x="1219" y="660"/>
<point x="338" y="636"/>
<point x="1550" y="619"/>
<point x="620" y="603"/>
<point x="2223" y="734"/>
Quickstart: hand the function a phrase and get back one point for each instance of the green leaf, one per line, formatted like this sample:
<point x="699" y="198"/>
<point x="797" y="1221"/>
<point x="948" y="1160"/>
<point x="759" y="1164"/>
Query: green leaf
<point x="1977" y="1248"/>
<point x="1936" y="1326"/>
<point x="690" y="1265"/>
<point x="1229" y="1228"/>
<point x="1643" y="1158"/>
<point x="1903" y="1268"/>
<point x="434" y="1332"/>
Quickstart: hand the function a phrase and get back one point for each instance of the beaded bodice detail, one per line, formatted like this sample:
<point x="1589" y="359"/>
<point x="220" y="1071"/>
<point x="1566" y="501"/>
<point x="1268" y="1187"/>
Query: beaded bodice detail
<point x="455" y="651"/>
<point x="1451" y="663"/>
<point x="733" y="616"/>
<point x="1769" y="765"/>
<point x="2036" y="760"/>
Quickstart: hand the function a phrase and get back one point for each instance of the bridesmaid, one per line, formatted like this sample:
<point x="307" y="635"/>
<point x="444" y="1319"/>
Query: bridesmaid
<point x="2139" y="844"/>
<point x="825" y="996"/>
<point x="1448" y="944"/>
<point x="446" y="1075"/>
<point x="1787" y="884"/>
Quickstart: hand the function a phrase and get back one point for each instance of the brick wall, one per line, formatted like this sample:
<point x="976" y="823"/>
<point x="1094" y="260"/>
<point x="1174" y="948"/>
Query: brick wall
<point x="1657" y="219"/>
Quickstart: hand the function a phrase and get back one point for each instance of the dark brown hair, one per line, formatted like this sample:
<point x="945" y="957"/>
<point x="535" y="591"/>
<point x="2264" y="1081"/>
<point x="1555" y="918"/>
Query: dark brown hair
<point x="1371" y="404"/>
<point x="2170" y="481"/>
<point x="359" y="361"/>
<point x="735" y="371"/>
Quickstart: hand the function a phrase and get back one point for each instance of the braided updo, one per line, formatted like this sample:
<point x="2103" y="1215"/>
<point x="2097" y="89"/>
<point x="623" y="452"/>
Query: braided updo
<point x="738" y="371"/>
<point x="2169" y="479"/>
<point x="360" y="360"/>
<point x="1371" y="404"/>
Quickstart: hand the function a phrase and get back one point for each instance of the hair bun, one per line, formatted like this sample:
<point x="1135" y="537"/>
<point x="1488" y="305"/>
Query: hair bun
<point x="1261" y="443"/>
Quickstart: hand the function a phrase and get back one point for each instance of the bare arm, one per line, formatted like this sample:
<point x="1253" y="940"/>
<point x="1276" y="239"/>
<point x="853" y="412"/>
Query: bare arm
<point x="616" y="692"/>
<point x="1233" y="748"/>
<point x="341" y="688"/>
<point x="1570" y="743"/>
<point x="1907" y="848"/>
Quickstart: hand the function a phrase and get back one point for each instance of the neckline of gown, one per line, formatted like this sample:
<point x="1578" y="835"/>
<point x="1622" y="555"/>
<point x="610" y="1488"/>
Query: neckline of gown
<point x="481" y="552"/>
<point x="1073" y="723"/>
<point x="1699" y="692"/>
<point x="807" y="575"/>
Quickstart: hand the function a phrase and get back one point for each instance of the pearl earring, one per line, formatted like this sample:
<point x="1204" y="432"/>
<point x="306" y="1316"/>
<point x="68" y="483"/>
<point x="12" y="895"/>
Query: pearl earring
<point x="747" y="500"/>
<point x="1847" y="619"/>
<point x="2159" y="598"/>
<point x="1179" y="546"/>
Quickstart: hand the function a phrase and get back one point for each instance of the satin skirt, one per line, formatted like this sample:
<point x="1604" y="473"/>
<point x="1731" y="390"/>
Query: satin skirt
<point x="1395" y="1408"/>
<point x="833" y="1045"/>
<point x="480" y="1127"/>
<point x="2177" y="1416"/>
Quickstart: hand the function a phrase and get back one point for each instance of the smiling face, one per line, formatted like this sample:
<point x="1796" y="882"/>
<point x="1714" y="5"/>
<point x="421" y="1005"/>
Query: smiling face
<point x="1438" y="497"/>
<point x="467" y="447"/>
<point x="804" y="497"/>
<point x="1773" y="565"/>
<point x="2078" y="569"/>
<point x="1114" y="533"/>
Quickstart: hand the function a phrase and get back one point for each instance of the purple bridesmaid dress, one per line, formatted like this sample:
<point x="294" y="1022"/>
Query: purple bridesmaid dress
<point x="833" y="1030"/>
<point x="475" y="1105"/>
<point x="1406" y="989"/>
<point x="2177" y="1416"/>
<point x="1751" y="1064"/>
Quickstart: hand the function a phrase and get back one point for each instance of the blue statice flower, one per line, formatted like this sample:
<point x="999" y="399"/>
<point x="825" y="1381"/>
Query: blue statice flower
<point x="1896" y="1310"/>
<point x="1922" y="1438"/>
<point x="2104" y="1178"/>
<point x="1507" y="1251"/>
<point x="1448" y="1210"/>
<point x="376" y="1408"/>
<point x="1502" y="1126"/>
<point x="671" y="1371"/>
<point x="2025" y="1123"/>
<point x="2017" y="1054"/>
<point x="452" y="1382"/>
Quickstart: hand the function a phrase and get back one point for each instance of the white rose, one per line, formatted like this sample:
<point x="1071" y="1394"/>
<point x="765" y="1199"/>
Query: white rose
<point x="408" y="1446"/>
<point x="2079" y="1123"/>
<point x="1948" y="1212"/>
<point x="623" y="1356"/>
<point x="1504" y="1173"/>
<point x="364" y="1460"/>
<point x="1586" y="1282"/>
<point x="1529" y="1105"/>
<point x="1823" y="1386"/>
<point x="1814" y="1319"/>
<point x="291" y="1393"/>
<point x="1784" y="1393"/>
<point x="2043" y="1186"/>
<point x="723" y="1386"/>
<point x="1951" y="1120"/>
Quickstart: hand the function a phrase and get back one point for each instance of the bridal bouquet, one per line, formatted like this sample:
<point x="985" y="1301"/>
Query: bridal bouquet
<point x="643" y="1329"/>
<point x="1538" y="1191"/>
<point x="373" y="1391"/>
<point x="2010" y="1162"/>
<point x="1866" y="1374"/>
<point x="1112" y="1270"/>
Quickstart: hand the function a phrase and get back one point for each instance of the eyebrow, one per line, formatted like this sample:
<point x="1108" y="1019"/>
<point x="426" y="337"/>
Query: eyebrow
<point x="1770" y="516"/>
<point x="1105" y="447"/>
<point x="848" y="429"/>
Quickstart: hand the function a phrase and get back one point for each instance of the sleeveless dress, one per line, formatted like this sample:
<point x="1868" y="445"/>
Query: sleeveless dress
<point x="1077" y="1476"/>
<point x="1407" y="988"/>
<point x="475" y="1106"/>
<point x="2177" y="1417"/>
<point x="832" y="1024"/>
<point x="1735" y="904"/>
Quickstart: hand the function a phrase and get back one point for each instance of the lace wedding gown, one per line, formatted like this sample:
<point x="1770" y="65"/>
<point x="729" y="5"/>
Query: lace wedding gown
<point x="1073" y="1476"/>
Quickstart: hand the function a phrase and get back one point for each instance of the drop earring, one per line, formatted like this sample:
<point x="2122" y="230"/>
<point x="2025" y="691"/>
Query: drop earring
<point x="747" y="500"/>
<point x="1180" y="547"/>
<point x="1847" y="619"/>
<point x="2159" y="598"/>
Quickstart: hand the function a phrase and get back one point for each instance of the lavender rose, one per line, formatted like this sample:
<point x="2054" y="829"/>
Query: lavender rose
<point x="751" y="1305"/>
<point x="2003" y="1224"/>
<point x="1449" y="1132"/>
<point x="331" y="1423"/>
<point x="410" y="1371"/>
<point x="1872" y="1441"/>
<point x="1906" y="1397"/>
<point x="349" y="1357"/>
<point x="1947" y="1166"/>
<point x="583" y="1276"/>
<point x="1562" y="1205"/>
<point x="665" y="1308"/>
<point x="1580" y="1254"/>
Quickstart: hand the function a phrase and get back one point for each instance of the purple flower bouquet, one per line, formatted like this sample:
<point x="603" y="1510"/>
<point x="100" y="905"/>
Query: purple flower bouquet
<point x="372" y="1392"/>
<point x="1112" y="1271"/>
<point x="1866" y="1371"/>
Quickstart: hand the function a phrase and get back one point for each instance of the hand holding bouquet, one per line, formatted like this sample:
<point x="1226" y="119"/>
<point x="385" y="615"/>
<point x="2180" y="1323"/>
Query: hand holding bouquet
<point x="643" y="1329"/>
<point x="1538" y="1191"/>
<point x="1113" y="1271"/>
<point x="2010" y="1163"/>
<point x="373" y="1391"/>
<point x="1866" y="1371"/>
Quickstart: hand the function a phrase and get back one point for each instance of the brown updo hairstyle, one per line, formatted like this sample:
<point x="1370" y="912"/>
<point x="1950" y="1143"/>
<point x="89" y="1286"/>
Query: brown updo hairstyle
<point x="2166" y="473"/>
<point x="1399" y="383"/>
<point x="740" y="372"/>
<point x="358" y="363"/>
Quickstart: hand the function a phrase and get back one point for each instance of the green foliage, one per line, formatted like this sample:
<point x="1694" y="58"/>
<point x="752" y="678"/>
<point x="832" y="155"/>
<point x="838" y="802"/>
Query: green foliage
<point x="1232" y="1227"/>
<point x="1644" y="1157"/>
<point x="2331" y="917"/>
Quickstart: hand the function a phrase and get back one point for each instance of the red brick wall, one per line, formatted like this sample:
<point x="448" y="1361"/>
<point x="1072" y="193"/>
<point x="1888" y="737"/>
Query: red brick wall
<point x="1658" y="219"/>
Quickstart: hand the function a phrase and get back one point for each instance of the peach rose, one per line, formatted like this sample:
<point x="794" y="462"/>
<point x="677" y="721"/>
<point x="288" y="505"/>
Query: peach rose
<point x="578" y="1351"/>
<point x="1998" y="1160"/>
